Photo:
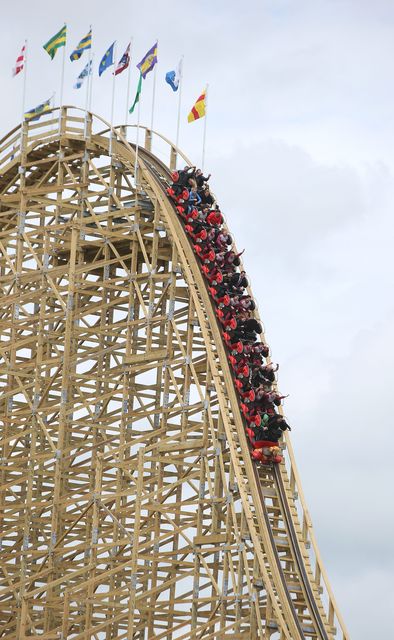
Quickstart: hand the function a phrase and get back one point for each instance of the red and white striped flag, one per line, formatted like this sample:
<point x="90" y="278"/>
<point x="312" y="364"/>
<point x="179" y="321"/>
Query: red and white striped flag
<point x="20" y="61"/>
<point x="124" y="61"/>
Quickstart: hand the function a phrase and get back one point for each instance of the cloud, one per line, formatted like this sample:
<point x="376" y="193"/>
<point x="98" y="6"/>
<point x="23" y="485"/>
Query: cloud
<point x="285" y="205"/>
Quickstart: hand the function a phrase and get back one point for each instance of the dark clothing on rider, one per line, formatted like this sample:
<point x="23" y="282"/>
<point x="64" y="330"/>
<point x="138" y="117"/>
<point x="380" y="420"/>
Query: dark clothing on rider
<point x="206" y="197"/>
<point x="263" y="433"/>
<point x="246" y="330"/>
<point x="238" y="281"/>
<point x="185" y="175"/>
<point x="234" y="283"/>
<point x="200" y="179"/>
<point x="278" y="422"/>
<point x="251" y="327"/>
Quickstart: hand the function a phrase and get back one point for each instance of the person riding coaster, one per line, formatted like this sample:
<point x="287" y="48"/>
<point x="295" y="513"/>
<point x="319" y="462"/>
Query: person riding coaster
<point x="222" y="300"/>
<point x="235" y="347"/>
<point x="219" y="262"/>
<point x="195" y="230"/>
<point x="229" y="323"/>
<point x="257" y="348"/>
<point x="213" y="275"/>
<point x="184" y="177"/>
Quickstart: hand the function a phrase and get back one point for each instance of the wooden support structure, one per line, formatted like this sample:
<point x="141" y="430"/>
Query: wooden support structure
<point x="130" y="507"/>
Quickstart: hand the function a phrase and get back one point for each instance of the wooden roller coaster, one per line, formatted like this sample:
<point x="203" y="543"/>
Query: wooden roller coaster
<point x="130" y="506"/>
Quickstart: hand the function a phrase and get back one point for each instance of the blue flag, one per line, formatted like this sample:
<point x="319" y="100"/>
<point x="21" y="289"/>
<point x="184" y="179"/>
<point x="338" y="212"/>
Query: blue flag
<point x="87" y="70"/>
<point x="173" y="77"/>
<point x="107" y="59"/>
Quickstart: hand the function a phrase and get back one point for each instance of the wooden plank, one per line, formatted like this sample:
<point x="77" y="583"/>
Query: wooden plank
<point x="181" y="446"/>
<point x="149" y="356"/>
<point x="210" y="540"/>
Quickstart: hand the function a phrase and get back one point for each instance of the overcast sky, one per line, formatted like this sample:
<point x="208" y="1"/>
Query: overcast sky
<point x="300" y="141"/>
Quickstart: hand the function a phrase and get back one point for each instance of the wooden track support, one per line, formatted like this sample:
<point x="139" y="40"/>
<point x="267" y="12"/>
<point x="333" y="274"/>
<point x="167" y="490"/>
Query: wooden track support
<point x="130" y="507"/>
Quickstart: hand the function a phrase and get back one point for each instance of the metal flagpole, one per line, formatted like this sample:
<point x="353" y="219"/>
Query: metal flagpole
<point x="205" y="128"/>
<point x="136" y="142"/>
<point x="62" y="77"/>
<point x="23" y="95"/>
<point x="128" y="81"/>
<point x="91" y="74"/>
<point x="180" y="68"/>
<point x="91" y="83"/>
<point x="87" y="92"/>
<point x="113" y="101"/>
<point x="154" y="88"/>
<point x="24" y="83"/>
<point x="62" y="84"/>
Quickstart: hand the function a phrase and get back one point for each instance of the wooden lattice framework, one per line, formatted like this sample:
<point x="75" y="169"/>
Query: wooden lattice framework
<point x="130" y="507"/>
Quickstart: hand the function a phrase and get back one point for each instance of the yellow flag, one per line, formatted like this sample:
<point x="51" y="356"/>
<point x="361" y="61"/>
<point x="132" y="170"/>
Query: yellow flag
<point x="198" y="109"/>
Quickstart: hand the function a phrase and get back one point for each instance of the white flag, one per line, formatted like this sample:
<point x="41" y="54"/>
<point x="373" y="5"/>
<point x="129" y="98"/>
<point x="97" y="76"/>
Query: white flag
<point x="84" y="73"/>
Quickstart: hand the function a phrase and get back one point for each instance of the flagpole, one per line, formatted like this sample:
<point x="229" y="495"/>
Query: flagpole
<point x="24" y="83"/>
<point x="87" y="93"/>
<point x="113" y="101"/>
<point x="62" y="76"/>
<point x="136" y="142"/>
<point x="154" y="89"/>
<point x="205" y="128"/>
<point x="88" y="82"/>
<point x="179" y="104"/>
<point x="23" y="97"/>
<point x="62" y="85"/>
<point x="90" y="76"/>
<point x="90" y="79"/>
<point x="128" y="82"/>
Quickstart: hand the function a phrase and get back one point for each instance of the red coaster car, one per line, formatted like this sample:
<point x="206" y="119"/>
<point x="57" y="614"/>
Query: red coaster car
<point x="264" y="451"/>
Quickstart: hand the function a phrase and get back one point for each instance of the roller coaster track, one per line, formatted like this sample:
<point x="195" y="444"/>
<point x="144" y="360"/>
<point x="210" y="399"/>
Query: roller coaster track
<point x="163" y="176"/>
<point x="286" y="583"/>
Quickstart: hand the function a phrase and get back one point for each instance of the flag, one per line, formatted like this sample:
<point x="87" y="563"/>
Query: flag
<point x="173" y="77"/>
<point x="84" y="44"/>
<point x="148" y="61"/>
<point x="86" y="71"/>
<point x="137" y="95"/>
<point x="58" y="40"/>
<point x="20" y="62"/>
<point x="124" y="61"/>
<point x="37" y="112"/>
<point x="107" y="59"/>
<point x="198" y="109"/>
